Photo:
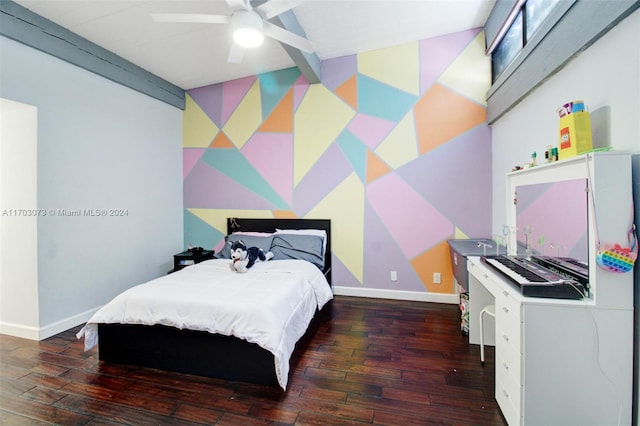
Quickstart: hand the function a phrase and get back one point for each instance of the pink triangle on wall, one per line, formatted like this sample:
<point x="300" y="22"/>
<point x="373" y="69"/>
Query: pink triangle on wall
<point x="190" y="156"/>
<point x="271" y="154"/>
<point x="300" y="88"/>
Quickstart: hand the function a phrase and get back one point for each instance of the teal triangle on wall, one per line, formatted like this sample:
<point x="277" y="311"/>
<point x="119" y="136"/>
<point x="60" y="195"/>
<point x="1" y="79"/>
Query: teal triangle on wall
<point x="198" y="233"/>
<point x="233" y="164"/>
<point x="384" y="101"/>
<point x="356" y="152"/>
<point x="273" y="87"/>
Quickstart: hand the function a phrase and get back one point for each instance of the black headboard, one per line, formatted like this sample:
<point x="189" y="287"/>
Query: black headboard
<point x="270" y="225"/>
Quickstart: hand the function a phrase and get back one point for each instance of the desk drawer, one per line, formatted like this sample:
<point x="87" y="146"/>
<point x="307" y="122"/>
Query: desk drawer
<point x="509" y="368"/>
<point x="508" y="398"/>
<point x="508" y="321"/>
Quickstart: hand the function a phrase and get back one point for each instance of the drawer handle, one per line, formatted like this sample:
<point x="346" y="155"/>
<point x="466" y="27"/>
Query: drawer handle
<point x="505" y="293"/>
<point x="505" y="337"/>
<point x="506" y="366"/>
<point x="505" y="309"/>
<point x="505" y="393"/>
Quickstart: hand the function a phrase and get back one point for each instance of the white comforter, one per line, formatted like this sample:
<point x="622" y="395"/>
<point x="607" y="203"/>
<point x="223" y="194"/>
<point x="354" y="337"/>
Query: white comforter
<point x="270" y="305"/>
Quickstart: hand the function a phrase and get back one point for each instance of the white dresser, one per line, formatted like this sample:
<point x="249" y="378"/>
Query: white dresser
<point x="565" y="362"/>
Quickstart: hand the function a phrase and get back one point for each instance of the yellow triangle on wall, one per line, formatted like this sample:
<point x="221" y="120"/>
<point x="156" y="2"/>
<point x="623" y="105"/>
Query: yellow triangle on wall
<point x="345" y="207"/>
<point x="197" y="128"/>
<point x="400" y="146"/>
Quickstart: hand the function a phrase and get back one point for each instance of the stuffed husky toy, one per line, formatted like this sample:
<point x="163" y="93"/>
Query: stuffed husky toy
<point x="244" y="258"/>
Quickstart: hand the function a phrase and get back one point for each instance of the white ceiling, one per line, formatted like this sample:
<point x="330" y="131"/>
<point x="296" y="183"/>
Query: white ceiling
<point x="195" y="55"/>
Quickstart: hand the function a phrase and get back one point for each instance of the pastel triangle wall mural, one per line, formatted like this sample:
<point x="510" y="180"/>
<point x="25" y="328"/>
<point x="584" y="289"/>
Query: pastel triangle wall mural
<point x="197" y="128"/>
<point x="281" y="118"/>
<point x="375" y="167"/>
<point x="312" y="135"/>
<point x="348" y="92"/>
<point x="274" y="86"/>
<point x="190" y="158"/>
<point x="246" y="118"/>
<point x="436" y="54"/>
<point x="221" y="141"/>
<point x="232" y="94"/>
<point x="272" y="156"/>
<point x="456" y="77"/>
<point x="392" y="146"/>
<point x="445" y="115"/>
<point x="355" y="151"/>
<point x="394" y="66"/>
<point x="400" y="146"/>
<point x="379" y="99"/>
<point x="235" y="165"/>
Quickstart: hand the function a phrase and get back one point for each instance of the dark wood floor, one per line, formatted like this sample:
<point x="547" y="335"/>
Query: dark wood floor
<point x="370" y="361"/>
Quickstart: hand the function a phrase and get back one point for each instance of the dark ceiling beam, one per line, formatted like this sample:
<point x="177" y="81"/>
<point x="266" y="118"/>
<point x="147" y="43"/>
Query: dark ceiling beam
<point x="308" y="63"/>
<point x="24" y="26"/>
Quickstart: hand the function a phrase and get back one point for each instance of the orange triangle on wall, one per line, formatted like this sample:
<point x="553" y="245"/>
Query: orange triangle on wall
<point x="221" y="141"/>
<point x="284" y="214"/>
<point x="435" y="260"/>
<point x="375" y="167"/>
<point x="348" y="92"/>
<point x="281" y="118"/>
<point x="442" y="114"/>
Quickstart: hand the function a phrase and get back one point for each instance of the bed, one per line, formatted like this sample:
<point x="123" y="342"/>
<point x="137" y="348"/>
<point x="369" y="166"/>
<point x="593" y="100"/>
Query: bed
<point x="234" y="348"/>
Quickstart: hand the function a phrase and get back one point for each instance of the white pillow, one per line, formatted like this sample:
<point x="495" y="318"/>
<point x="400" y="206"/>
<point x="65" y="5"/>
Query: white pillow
<point x="318" y="232"/>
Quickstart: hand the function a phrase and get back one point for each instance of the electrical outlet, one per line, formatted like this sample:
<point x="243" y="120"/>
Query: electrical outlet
<point x="394" y="275"/>
<point x="436" y="278"/>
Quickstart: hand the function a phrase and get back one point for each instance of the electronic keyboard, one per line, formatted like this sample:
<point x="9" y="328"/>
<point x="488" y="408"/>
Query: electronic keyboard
<point x="536" y="280"/>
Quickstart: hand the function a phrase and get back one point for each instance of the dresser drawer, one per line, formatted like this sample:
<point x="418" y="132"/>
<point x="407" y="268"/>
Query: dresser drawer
<point x="509" y="367"/>
<point x="508" y="398"/>
<point x="508" y="321"/>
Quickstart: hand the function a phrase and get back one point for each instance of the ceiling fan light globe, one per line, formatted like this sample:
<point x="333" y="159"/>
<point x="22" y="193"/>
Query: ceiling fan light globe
<point x="248" y="37"/>
<point x="247" y="28"/>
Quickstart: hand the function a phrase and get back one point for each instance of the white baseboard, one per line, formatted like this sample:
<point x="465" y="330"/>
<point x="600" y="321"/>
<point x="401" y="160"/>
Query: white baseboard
<point x="397" y="295"/>
<point x="19" y="330"/>
<point x="35" y="333"/>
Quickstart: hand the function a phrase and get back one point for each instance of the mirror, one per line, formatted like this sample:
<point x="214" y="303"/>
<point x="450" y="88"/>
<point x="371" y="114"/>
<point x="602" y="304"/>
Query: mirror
<point x="552" y="219"/>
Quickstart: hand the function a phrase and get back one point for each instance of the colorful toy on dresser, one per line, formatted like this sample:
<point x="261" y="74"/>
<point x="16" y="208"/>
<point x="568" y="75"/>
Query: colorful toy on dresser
<point x="619" y="259"/>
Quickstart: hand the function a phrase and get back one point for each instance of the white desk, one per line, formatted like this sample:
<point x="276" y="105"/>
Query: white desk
<point x="558" y="362"/>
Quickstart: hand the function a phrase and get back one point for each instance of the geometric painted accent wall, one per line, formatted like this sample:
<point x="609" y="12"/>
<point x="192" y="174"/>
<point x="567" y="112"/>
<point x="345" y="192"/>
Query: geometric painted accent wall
<point x="393" y="146"/>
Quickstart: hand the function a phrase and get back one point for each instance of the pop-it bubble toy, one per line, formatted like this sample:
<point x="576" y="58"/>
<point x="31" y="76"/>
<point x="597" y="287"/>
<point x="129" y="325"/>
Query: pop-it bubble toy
<point x="616" y="258"/>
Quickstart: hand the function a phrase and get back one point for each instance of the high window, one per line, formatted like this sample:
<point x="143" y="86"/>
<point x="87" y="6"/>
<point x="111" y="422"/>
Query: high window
<point x="524" y="21"/>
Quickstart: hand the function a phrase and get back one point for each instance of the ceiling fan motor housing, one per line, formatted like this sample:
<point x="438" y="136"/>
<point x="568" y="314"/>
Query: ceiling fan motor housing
<point x="247" y="28"/>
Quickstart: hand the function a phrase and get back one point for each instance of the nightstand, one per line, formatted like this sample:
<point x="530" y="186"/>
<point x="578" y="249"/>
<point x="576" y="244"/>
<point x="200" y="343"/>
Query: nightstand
<point x="187" y="258"/>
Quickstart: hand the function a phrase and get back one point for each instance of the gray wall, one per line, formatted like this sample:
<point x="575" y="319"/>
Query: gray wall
<point x="100" y="146"/>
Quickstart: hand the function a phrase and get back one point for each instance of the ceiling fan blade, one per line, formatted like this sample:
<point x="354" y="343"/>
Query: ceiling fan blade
<point x="236" y="53"/>
<point x="287" y="37"/>
<point x="272" y="8"/>
<point x="191" y="18"/>
<point x="239" y="4"/>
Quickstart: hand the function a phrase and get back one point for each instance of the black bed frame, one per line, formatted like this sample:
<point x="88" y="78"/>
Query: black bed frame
<point x="199" y="352"/>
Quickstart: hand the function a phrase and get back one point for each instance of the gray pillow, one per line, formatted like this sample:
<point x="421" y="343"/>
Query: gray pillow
<point x="298" y="246"/>
<point x="250" y="241"/>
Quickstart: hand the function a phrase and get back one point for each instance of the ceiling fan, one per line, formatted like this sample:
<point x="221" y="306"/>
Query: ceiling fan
<point x="249" y="24"/>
